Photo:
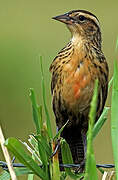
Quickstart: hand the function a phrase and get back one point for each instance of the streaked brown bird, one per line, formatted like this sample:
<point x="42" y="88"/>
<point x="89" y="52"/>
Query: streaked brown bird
<point x="74" y="71"/>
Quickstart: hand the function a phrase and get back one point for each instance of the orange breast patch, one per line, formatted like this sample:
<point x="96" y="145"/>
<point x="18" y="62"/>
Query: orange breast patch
<point x="79" y="85"/>
<point x="76" y="88"/>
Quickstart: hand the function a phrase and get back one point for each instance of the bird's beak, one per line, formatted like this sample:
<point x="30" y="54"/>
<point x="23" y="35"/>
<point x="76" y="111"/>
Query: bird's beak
<point x="63" y="18"/>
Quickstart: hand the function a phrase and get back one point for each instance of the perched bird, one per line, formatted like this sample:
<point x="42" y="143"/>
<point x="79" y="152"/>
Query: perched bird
<point x="74" y="71"/>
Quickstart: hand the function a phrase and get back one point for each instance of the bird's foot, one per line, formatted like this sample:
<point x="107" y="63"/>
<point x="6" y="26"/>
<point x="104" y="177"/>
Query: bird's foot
<point x="81" y="168"/>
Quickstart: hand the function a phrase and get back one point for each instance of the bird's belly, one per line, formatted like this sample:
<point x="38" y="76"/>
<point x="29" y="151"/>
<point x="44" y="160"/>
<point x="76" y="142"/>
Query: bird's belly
<point x="77" y="91"/>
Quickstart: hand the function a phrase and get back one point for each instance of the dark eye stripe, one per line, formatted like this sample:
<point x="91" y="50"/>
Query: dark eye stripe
<point x="77" y="12"/>
<point x="83" y="11"/>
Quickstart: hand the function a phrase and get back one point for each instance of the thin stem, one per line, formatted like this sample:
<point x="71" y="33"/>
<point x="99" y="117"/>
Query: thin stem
<point x="7" y="157"/>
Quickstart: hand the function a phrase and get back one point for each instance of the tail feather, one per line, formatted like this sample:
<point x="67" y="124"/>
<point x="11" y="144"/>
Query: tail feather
<point x="77" y="150"/>
<point x="74" y="138"/>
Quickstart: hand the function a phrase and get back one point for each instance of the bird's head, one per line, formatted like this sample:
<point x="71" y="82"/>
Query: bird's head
<point x="81" y="23"/>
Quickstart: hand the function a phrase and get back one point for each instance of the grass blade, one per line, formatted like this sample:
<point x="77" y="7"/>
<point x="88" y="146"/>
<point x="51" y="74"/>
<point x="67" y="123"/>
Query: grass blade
<point x="66" y="153"/>
<point x="114" y="117"/>
<point x="31" y="176"/>
<point x="7" y="156"/>
<point x="67" y="159"/>
<point x="32" y="151"/>
<point x="98" y="125"/>
<point x="56" y="171"/>
<point x="5" y="176"/>
<point x="43" y="152"/>
<point x="102" y="119"/>
<point x="17" y="149"/>
<point x="44" y="101"/>
<point x="90" y="168"/>
<point x="34" y="144"/>
<point x="60" y="131"/>
<point x="40" y="117"/>
<point x="63" y="176"/>
<point x="36" y="115"/>
<point x="18" y="171"/>
<point x="42" y="140"/>
<point x="110" y="83"/>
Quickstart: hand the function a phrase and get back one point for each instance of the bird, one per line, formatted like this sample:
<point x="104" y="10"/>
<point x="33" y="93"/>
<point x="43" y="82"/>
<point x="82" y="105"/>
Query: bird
<point x="73" y="72"/>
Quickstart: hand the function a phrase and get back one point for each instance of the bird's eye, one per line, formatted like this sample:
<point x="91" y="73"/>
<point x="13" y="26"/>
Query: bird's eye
<point x="82" y="18"/>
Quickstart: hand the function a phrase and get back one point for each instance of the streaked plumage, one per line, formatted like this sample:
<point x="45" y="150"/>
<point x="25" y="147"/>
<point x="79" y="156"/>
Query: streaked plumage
<point x="74" y="71"/>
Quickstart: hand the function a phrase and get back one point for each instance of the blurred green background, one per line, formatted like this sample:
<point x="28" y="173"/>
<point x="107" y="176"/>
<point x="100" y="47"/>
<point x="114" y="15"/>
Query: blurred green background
<point x="27" y="30"/>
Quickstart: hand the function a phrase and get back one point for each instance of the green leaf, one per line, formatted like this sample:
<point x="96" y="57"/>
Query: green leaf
<point x="92" y="171"/>
<point x="44" y="149"/>
<point x="90" y="167"/>
<point x="34" y="144"/>
<point x="40" y="117"/>
<point x="101" y="170"/>
<point x="5" y="176"/>
<point x="67" y="159"/>
<point x="32" y="151"/>
<point x="42" y="140"/>
<point x="56" y="170"/>
<point x="63" y="175"/>
<point x="66" y="153"/>
<point x="110" y="83"/>
<point x="114" y="117"/>
<point x="44" y="158"/>
<point x="18" y="171"/>
<point x="22" y="171"/>
<point x="37" y="116"/>
<point x="31" y="176"/>
<point x="42" y="153"/>
<point x="17" y="149"/>
<point x="48" y="123"/>
<point x="102" y="119"/>
<point x="60" y="131"/>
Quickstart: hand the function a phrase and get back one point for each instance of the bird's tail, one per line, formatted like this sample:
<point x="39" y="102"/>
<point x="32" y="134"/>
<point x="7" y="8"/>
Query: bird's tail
<point x="74" y="138"/>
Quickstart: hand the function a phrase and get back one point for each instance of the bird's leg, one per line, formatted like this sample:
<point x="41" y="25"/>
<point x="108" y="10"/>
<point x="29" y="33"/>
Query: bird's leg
<point x="84" y="140"/>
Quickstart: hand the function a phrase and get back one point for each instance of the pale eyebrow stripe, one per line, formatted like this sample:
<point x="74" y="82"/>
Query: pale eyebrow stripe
<point x="91" y="17"/>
